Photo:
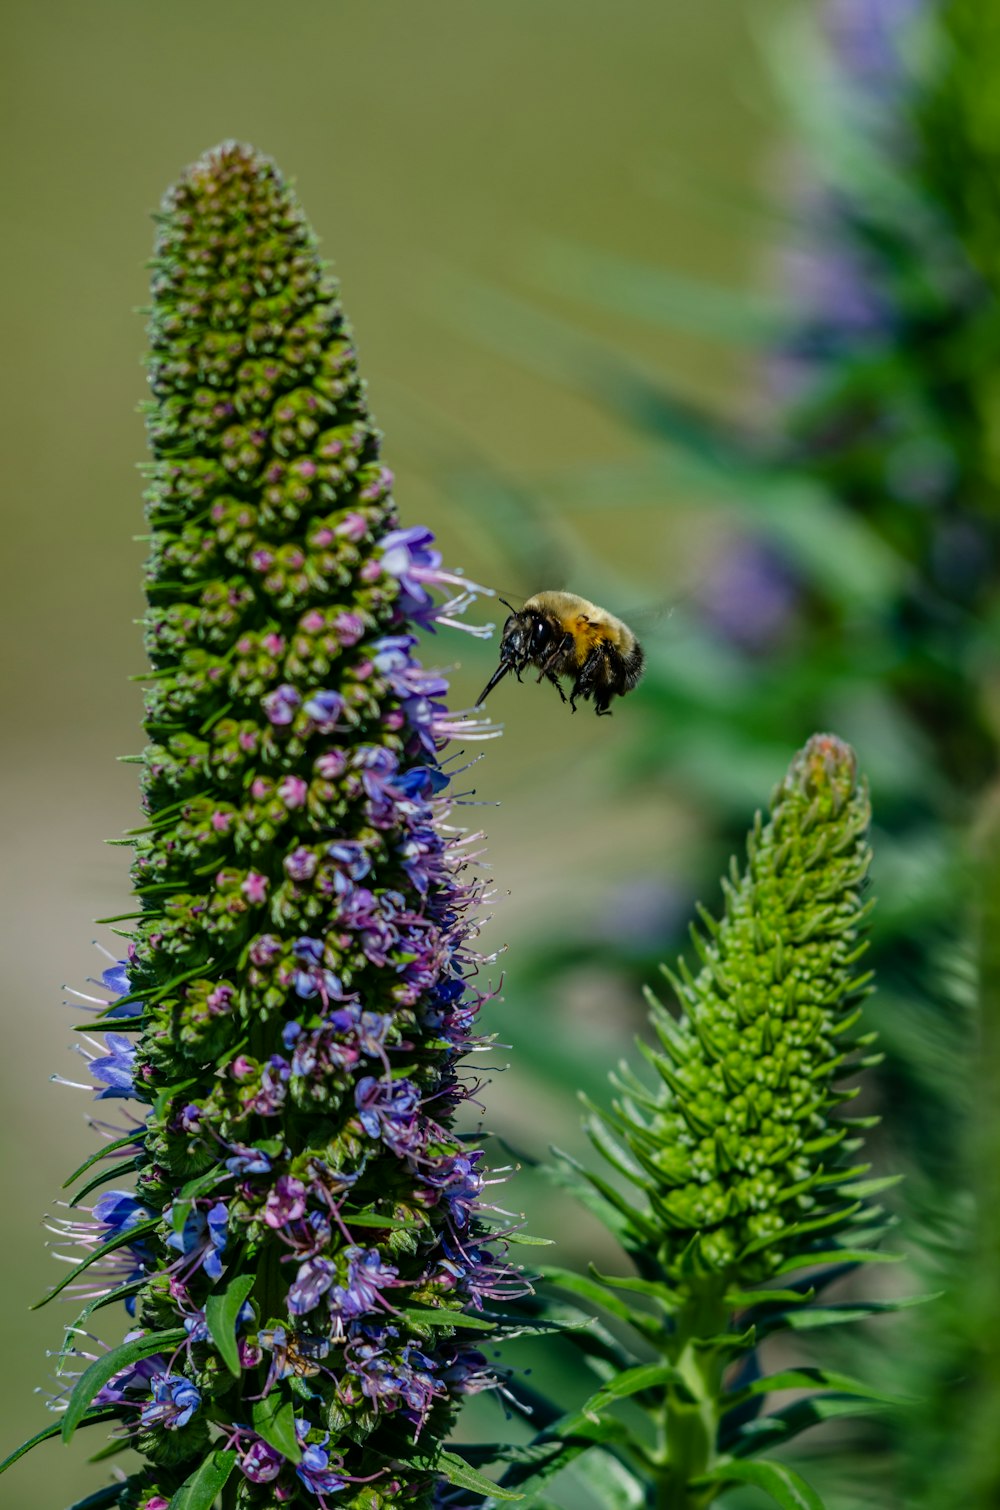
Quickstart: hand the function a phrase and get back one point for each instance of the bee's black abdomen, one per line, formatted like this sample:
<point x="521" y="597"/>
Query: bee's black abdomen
<point x="632" y="666"/>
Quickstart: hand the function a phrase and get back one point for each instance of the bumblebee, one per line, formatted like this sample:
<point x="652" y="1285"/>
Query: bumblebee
<point x="565" y="636"/>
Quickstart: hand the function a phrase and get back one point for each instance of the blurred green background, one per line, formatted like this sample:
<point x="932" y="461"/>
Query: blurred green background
<point x="456" y="160"/>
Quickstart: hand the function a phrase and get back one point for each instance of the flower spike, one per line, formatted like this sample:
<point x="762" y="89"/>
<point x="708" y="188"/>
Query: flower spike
<point x="307" y="1242"/>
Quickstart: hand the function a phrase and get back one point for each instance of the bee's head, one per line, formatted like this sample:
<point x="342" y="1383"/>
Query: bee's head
<point x="524" y="636"/>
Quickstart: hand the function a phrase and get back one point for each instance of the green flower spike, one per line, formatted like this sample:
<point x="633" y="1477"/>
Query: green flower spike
<point x="741" y="1167"/>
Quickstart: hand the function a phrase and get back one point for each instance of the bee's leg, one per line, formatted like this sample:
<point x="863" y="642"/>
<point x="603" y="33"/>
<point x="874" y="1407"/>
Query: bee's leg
<point x="555" y="682"/>
<point x="562" y="648"/>
<point x="590" y="678"/>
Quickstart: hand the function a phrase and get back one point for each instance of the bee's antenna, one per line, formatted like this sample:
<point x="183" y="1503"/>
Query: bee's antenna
<point x="506" y="605"/>
<point x="498" y="674"/>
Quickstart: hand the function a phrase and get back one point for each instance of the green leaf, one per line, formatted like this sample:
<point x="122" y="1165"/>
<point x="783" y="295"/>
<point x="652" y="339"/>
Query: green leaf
<point x="372" y="1219"/>
<point x="612" y="1482"/>
<point x="593" y="1290"/>
<point x="101" y="1178"/>
<point x="457" y="1471"/>
<point x="111" y="1449"/>
<point x="654" y="1288"/>
<point x="837" y="1256"/>
<point x="221" y="1312"/>
<point x="812" y="1378"/>
<point x="104" y="1368"/>
<point x="120" y="1240"/>
<point x="780" y="1426"/>
<point x="441" y="1316"/>
<point x="101" y="1499"/>
<point x="808" y="1317"/>
<point x="782" y="1483"/>
<point x="632" y="1382"/>
<point x="199" y="1492"/>
<point x="743" y="1300"/>
<point x="567" y="1439"/>
<point x="626" y="1225"/>
<point x="101" y="1413"/>
<point x="130" y="1138"/>
<point x="658" y="296"/>
<point x="274" y="1420"/>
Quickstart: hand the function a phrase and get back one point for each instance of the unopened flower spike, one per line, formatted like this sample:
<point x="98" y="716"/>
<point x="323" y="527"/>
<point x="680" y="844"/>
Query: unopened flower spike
<point x="305" y="1258"/>
<point x="738" y="1193"/>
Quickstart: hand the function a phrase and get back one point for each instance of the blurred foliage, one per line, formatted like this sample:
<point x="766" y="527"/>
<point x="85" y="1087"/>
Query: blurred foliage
<point x="859" y="587"/>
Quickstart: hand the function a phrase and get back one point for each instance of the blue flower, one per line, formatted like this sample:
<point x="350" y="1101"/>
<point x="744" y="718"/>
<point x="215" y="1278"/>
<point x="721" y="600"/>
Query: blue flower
<point x="203" y="1236"/>
<point x="175" y="1400"/>
<point x="115" y="980"/>
<point x="120" y="1212"/>
<point x="245" y="1160"/>
<point x="117" y="1069"/>
<point x="314" y="1469"/>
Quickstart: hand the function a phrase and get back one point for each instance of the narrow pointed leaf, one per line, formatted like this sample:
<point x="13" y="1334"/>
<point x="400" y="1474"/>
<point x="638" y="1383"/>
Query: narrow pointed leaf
<point x="104" y="1368"/>
<point x="782" y="1483"/>
<point x="457" y="1471"/>
<point x="814" y="1378"/>
<point x="810" y="1317"/>
<point x="781" y="1426"/>
<point x="101" y="1499"/>
<point x="633" y="1382"/>
<point x="274" y="1420"/>
<point x="103" y="1151"/>
<point x="593" y="1290"/>
<point x="102" y="1413"/>
<point x="200" y="1491"/>
<point x="221" y="1312"/>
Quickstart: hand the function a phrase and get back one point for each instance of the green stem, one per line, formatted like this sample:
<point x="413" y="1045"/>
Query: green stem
<point x="690" y="1419"/>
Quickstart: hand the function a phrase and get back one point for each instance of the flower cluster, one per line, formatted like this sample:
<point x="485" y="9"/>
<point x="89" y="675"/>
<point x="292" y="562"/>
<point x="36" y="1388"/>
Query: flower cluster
<point x="305" y="1254"/>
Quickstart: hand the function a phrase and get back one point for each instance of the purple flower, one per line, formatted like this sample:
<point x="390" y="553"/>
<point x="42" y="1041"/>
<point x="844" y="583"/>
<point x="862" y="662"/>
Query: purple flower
<point x="281" y="705"/>
<point x="286" y="1202"/>
<point x="311" y="1283"/>
<point x="352" y="858"/>
<point x="421" y="781"/>
<point x="260" y="1463"/>
<point x="301" y="864"/>
<point x="282" y="599"/>
<point x="408" y="556"/>
<point x="460" y="1183"/>
<point x="388" y="1111"/>
<point x="366" y="1277"/>
<point x="866" y="35"/>
<point x="750" y="596"/>
<point x="115" y="980"/>
<point x="133" y="1380"/>
<point x="325" y="708"/>
<point x="175" y="1400"/>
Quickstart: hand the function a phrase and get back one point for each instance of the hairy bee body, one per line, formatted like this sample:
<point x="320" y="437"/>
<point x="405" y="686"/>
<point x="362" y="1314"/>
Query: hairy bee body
<point x="567" y="636"/>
